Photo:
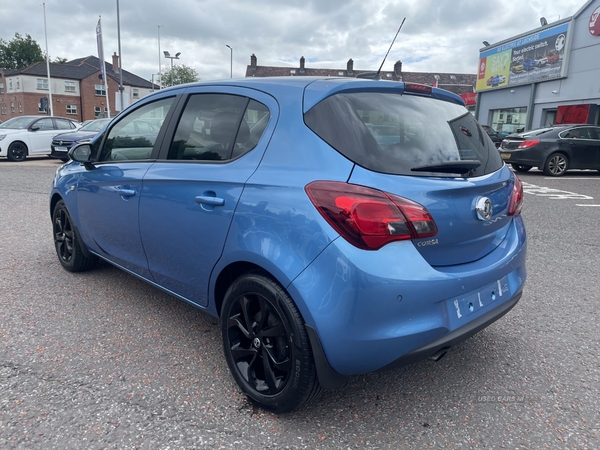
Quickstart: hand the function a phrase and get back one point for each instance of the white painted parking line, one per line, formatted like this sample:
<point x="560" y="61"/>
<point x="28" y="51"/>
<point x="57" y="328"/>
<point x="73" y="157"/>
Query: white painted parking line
<point x="554" y="194"/>
<point x="572" y="178"/>
<point x="586" y="205"/>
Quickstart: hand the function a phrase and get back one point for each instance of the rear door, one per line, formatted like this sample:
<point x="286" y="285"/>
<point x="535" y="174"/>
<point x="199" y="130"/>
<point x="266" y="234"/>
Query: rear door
<point x="190" y="194"/>
<point x="583" y="147"/>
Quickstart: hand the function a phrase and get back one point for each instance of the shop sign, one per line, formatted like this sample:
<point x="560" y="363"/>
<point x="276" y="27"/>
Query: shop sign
<point x="529" y="59"/>
<point x="595" y="22"/>
<point x="572" y="114"/>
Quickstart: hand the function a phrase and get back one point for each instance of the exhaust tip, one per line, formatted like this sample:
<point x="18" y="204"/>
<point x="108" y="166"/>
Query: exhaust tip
<point x="439" y="354"/>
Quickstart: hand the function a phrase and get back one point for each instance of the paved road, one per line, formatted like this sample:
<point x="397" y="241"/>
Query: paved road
<point x="103" y="360"/>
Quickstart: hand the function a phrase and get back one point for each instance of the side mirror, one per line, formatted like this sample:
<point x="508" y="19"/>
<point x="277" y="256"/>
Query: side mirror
<point x="34" y="128"/>
<point x="81" y="153"/>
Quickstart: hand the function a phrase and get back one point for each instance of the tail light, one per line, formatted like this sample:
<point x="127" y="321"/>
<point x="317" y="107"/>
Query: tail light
<point x="516" y="198"/>
<point x="528" y="144"/>
<point x="369" y="218"/>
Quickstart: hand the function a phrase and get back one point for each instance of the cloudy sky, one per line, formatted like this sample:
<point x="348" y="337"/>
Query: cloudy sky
<point x="438" y="35"/>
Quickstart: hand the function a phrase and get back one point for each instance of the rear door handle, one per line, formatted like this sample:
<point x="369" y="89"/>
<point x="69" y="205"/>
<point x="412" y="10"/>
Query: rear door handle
<point x="206" y="200"/>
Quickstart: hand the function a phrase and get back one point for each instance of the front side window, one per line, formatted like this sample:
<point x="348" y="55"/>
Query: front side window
<point x="42" y="83"/>
<point x="99" y="89"/>
<point x="133" y="137"/>
<point x="44" y="124"/>
<point x="216" y="127"/>
<point x="403" y="134"/>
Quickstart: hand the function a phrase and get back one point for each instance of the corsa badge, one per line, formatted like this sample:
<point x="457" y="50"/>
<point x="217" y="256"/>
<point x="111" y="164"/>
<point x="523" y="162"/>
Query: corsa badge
<point x="484" y="208"/>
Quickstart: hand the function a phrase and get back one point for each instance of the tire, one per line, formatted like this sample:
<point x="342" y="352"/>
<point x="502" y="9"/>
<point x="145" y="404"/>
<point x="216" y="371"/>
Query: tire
<point x="66" y="241"/>
<point x="556" y="165"/>
<point x="521" y="167"/>
<point x="17" y="151"/>
<point x="266" y="345"/>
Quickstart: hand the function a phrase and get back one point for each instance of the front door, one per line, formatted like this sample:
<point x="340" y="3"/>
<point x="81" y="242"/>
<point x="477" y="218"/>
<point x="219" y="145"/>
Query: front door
<point x="110" y="191"/>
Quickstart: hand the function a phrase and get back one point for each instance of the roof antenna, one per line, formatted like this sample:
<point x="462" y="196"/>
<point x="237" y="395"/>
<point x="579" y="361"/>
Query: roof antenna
<point x="377" y="76"/>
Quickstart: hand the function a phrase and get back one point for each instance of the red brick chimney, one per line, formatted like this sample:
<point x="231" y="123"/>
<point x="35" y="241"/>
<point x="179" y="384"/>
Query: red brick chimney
<point x="115" y="62"/>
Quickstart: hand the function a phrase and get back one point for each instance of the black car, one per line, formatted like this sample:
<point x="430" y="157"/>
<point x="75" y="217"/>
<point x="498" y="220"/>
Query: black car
<point x="61" y="143"/>
<point x="553" y="149"/>
<point x="493" y="134"/>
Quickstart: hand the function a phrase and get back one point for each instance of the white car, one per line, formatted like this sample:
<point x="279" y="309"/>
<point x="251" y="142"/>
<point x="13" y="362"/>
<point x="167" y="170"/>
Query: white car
<point x="31" y="135"/>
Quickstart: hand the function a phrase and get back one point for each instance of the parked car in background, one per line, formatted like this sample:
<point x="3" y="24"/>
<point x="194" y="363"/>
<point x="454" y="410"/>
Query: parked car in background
<point x="31" y="135"/>
<point x="553" y="149"/>
<point x="62" y="142"/>
<point x="493" y="134"/>
<point x="324" y="252"/>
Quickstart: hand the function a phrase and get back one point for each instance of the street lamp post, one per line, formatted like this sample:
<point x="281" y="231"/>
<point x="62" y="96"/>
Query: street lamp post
<point x="168" y="56"/>
<point x="159" y="64"/>
<point x="231" y="61"/>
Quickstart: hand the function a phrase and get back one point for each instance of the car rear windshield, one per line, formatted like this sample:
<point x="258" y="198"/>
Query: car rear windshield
<point x="404" y="134"/>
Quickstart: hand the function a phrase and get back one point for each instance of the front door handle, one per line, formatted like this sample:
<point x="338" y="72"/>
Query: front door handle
<point x="206" y="200"/>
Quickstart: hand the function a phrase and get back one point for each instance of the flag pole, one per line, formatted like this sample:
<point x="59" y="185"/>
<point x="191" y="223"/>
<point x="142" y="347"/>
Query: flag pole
<point x="48" y="64"/>
<point x="102" y="66"/>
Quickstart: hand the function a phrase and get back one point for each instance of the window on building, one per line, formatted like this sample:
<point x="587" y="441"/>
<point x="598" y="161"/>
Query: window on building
<point x="10" y="85"/>
<point x="136" y="93"/>
<point x="42" y="83"/>
<point x="18" y="84"/>
<point x="100" y="89"/>
<point x="97" y="111"/>
<point x="3" y="109"/>
<point x="1" y="88"/>
<point x="550" y="117"/>
<point x="41" y="109"/>
<point x="20" y="107"/>
<point x="71" y="109"/>
<point x="69" y="86"/>
<point x="12" y="106"/>
<point x="510" y="120"/>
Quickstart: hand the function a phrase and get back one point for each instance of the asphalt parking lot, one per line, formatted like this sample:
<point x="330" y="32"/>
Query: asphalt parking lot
<point x="103" y="360"/>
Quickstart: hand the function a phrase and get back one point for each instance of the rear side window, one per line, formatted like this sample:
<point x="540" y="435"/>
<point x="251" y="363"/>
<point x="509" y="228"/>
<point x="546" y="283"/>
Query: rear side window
<point x="395" y="134"/>
<point x="218" y="127"/>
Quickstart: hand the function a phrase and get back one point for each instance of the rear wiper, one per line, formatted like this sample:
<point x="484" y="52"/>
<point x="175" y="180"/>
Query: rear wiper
<point x="460" y="167"/>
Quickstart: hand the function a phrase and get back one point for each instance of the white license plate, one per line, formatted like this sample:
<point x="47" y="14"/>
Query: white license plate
<point x="60" y="149"/>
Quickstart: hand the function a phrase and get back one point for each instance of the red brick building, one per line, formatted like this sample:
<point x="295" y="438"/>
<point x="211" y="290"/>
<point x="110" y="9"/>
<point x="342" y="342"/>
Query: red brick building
<point x="77" y="89"/>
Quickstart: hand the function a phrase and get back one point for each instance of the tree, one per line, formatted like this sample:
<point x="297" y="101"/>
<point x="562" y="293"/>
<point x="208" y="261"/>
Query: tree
<point x="179" y="75"/>
<point x="19" y="52"/>
<point x="59" y="60"/>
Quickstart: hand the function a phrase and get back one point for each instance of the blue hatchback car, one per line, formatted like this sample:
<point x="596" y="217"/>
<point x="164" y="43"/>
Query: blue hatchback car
<point x="271" y="204"/>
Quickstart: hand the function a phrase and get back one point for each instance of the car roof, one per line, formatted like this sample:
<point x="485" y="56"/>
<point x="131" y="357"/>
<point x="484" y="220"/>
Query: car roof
<point x="317" y="88"/>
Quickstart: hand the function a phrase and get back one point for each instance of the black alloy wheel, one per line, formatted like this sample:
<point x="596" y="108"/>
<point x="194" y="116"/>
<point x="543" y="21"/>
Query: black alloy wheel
<point x="266" y="345"/>
<point x="521" y="167"/>
<point x="556" y="165"/>
<point x="66" y="241"/>
<point x="17" y="151"/>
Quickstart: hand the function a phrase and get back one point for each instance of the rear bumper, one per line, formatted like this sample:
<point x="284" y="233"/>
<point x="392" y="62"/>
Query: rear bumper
<point x="455" y="337"/>
<point x="373" y="310"/>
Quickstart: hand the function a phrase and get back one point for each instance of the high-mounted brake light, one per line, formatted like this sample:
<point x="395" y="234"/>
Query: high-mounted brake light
<point x="417" y="88"/>
<point x="369" y="218"/>
<point x="516" y="198"/>
<point x="529" y="144"/>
